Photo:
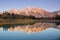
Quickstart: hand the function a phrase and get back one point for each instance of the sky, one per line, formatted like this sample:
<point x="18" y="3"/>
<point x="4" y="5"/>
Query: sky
<point x="49" y="5"/>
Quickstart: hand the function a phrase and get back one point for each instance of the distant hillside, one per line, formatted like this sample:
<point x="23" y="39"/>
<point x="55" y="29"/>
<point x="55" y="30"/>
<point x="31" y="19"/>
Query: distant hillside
<point x="30" y="13"/>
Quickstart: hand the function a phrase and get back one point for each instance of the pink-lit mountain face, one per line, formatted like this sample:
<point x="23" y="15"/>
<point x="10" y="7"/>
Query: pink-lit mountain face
<point x="36" y="12"/>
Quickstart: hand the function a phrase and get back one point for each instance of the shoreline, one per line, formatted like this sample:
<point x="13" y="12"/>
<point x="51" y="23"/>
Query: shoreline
<point x="25" y="21"/>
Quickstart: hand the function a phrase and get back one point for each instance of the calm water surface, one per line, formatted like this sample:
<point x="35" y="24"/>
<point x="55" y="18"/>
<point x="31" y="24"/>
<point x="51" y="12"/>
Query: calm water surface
<point x="37" y="31"/>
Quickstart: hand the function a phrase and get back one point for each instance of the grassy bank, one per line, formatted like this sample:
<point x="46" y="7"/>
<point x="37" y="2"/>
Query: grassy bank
<point x="18" y="21"/>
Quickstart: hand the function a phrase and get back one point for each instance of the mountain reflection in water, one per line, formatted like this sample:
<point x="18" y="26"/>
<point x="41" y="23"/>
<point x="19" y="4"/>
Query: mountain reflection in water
<point x="37" y="27"/>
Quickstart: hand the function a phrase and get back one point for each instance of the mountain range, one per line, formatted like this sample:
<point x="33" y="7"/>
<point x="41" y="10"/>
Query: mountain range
<point x="36" y="12"/>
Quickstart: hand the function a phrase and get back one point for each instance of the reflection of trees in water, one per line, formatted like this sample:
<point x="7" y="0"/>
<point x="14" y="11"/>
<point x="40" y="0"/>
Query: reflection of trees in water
<point x="37" y="27"/>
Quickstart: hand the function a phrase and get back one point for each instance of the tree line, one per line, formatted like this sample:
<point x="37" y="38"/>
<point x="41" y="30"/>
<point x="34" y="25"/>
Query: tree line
<point x="7" y="15"/>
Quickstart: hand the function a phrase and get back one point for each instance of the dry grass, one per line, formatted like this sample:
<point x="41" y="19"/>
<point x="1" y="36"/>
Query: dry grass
<point x="18" y="21"/>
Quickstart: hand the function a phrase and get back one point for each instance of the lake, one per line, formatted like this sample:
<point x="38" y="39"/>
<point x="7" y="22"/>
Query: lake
<point x="37" y="31"/>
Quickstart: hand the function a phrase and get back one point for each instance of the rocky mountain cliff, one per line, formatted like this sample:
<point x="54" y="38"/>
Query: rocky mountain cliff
<point x="36" y="12"/>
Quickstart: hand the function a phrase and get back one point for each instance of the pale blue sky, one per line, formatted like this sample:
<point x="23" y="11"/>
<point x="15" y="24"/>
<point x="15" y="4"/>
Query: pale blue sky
<point x="49" y="5"/>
